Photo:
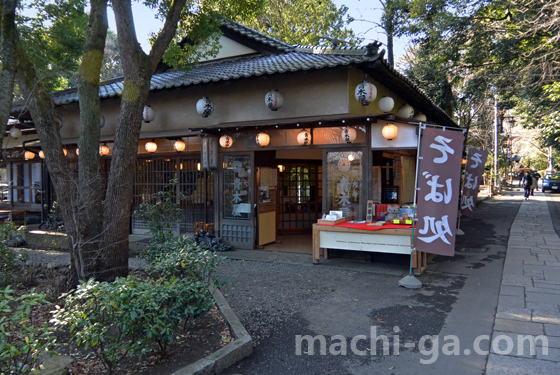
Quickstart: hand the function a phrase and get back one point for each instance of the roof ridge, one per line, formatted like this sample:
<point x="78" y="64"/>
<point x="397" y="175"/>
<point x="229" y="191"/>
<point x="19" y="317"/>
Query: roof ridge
<point x="257" y="35"/>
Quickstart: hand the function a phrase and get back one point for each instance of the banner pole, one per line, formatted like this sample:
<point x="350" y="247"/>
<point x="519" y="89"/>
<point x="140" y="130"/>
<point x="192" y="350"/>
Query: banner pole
<point x="410" y="281"/>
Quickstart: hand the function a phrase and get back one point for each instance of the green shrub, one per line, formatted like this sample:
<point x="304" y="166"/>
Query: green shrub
<point x="184" y="258"/>
<point x="128" y="316"/>
<point x="161" y="215"/>
<point x="21" y="341"/>
<point x="10" y="262"/>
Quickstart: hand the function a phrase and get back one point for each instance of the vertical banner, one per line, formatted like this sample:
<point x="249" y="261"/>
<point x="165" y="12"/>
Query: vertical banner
<point x="439" y="174"/>
<point x="213" y="152"/>
<point x="473" y="177"/>
<point x="204" y="153"/>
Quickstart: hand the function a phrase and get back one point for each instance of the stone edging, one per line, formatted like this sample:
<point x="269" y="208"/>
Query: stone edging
<point x="223" y="358"/>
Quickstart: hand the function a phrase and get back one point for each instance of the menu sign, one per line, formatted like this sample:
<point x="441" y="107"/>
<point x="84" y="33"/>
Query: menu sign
<point x="476" y="160"/>
<point x="439" y="175"/>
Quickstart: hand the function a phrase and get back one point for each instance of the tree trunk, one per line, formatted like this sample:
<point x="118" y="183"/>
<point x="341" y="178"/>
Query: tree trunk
<point x="41" y="107"/>
<point x="138" y="69"/>
<point x="90" y="194"/>
<point x="8" y="63"/>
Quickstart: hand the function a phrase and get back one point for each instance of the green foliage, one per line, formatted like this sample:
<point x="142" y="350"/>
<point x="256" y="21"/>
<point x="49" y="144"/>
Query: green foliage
<point x="21" y="341"/>
<point x="53" y="38"/>
<point x="161" y="214"/>
<point x="303" y="21"/>
<point x="128" y="316"/>
<point x="184" y="258"/>
<point x="10" y="262"/>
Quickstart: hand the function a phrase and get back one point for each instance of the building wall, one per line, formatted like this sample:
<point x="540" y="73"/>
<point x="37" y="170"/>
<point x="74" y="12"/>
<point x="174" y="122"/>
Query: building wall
<point x="311" y="93"/>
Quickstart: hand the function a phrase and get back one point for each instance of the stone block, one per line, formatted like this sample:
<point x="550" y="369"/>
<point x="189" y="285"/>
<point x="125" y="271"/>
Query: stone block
<point x="511" y="344"/>
<point x="507" y="365"/>
<point x="513" y="313"/>
<point x="512" y="326"/>
<point x="552" y="329"/>
<point x="553" y="355"/>
<point x="510" y="290"/>
<point x="512" y="301"/>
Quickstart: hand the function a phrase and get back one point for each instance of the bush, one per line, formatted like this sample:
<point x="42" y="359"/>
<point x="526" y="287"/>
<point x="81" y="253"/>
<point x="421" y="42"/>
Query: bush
<point x="128" y="316"/>
<point x="21" y="341"/>
<point x="161" y="215"/>
<point x="10" y="262"/>
<point x="184" y="258"/>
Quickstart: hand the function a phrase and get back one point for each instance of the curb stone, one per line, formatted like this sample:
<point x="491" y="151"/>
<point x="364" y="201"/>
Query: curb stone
<point x="223" y="358"/>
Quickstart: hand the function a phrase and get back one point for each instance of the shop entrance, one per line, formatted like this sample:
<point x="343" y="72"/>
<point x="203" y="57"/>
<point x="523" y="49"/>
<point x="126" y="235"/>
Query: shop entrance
<point x="290" y="201"/>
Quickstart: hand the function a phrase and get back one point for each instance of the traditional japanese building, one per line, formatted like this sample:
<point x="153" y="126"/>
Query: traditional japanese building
<point x="264" y="139"/>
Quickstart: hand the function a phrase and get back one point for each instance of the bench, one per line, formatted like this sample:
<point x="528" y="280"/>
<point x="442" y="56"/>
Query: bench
<point x="7" y="216"/>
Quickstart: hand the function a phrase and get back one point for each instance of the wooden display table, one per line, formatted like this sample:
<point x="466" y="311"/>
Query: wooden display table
<point x="393" y="239"/>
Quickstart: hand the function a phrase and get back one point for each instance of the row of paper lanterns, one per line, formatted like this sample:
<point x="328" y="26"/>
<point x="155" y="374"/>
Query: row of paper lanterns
<point x="303" y="138"/>
<point x="366" y="93"/>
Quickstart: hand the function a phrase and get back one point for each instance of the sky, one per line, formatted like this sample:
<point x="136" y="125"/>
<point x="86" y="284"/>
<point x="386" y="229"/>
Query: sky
<point x="361" y="10"/>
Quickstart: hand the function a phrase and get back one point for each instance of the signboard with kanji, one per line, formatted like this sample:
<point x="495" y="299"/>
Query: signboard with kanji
<point x="439" y="174"/>
<point x="474" y="169"/>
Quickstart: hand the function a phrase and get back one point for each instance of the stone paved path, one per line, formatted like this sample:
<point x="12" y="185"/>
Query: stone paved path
<point x="529" y="304"/>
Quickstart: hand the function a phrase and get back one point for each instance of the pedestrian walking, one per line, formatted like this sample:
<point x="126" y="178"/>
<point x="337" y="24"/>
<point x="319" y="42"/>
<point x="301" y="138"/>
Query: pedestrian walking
<point x="535" y="185"/>
<point x="527" y="184"/>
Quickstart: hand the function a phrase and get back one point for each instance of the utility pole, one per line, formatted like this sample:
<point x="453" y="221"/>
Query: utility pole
<point x="550" y="167"/>
<point x="496" y="148"/>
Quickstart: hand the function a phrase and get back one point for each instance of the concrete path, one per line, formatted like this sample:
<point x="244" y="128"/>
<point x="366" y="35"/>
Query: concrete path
<point x="529" y="302"/>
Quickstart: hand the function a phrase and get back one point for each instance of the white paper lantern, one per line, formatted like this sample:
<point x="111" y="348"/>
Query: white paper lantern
<point x="349" y="134"/>
<point x="179" y="145"/>
<point x="104" y="150"/>
<point x="15" y="133"/>
<point x="148" y="114"/>
<point x="390" y="132"/>
<point x="28" y="155"/>
<point x="151" y="146"/>
<point x="101" y="121"/>
<point x="204" y="107"/>
<point x="274" y="100"/>
<point x="304" y="138"/>
<point x="406" y="111"/>
<point x="420" y="117"/>
<point x="365" y="92"/>
<point x="42" y="154"/>
<point x="262" y="139"/>
<point x="226" y="141"/>
<point x="386" y="104"/>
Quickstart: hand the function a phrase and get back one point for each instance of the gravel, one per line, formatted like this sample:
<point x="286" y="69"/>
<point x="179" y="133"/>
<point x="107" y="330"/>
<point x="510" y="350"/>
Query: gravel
<point x="253" y="291"/>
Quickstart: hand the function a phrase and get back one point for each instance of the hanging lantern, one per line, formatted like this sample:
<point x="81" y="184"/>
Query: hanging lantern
<point x="304" y="138"/>
<point x="365" y="92"/>
<point x="420" y="117"/>
<point x="42" y="154"/>
<point x="179" y="145"/>
<point x="28" y="155"/>
<point x="101" y="121"/>
<point x="204" y="107"/>
<point x="274" y="100"/>
<point x="262" y="139"/>
<point x="406" y="111"/>
<point x="390" y="132"/>
<point x="151" y="146"/>
<point x="104" y="150"/>
<point x="148" y="114"/>
<point x="226" y="141"/>
<point x="349" y="134"/>
<point x="386" y="104"/>
<point x="65" y="152"/>
<point x="15" y="133"/>
<point x="77" y="152"/>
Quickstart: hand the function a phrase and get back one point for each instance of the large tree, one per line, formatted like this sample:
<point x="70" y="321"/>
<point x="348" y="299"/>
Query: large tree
<point x="304" y="22"/>
<point x="97" y="220"/>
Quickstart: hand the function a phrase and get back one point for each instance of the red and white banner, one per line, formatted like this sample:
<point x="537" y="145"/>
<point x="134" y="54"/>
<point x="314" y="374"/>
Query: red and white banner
<point x="476" y="160"/>
<point x="439" y="175"/>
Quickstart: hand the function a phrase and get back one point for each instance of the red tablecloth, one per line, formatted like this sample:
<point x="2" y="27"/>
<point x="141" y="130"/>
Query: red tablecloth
<point x="368" y="227"/>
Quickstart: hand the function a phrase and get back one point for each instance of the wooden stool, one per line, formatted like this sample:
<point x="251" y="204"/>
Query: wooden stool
<point x="209" y="228"/>
<point x="198" y="226"/>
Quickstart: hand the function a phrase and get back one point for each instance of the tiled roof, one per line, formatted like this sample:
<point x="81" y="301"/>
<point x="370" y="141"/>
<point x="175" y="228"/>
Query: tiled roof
<point x="224" y="70"/>
<point x="253" y="34"/>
